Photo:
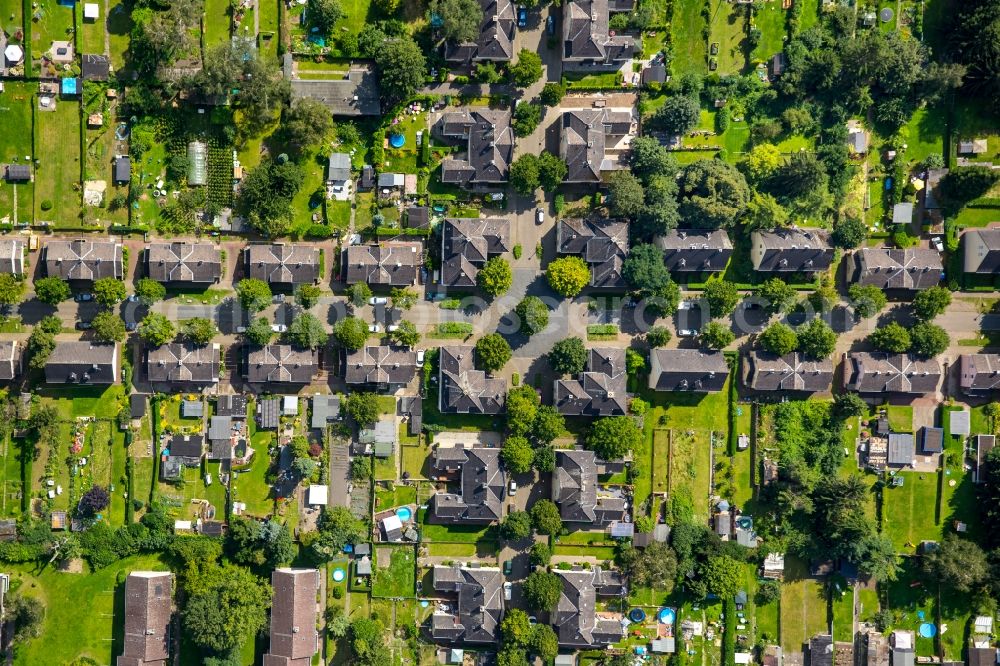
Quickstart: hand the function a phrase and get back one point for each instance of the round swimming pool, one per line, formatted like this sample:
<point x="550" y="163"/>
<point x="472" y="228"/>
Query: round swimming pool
<point x="338" y="575"/>
<point x="397" y="140"/>
<point x="404" y="514"/>
<point x="637" y="615"/>
<point x="928" y="630"/>
<point x="667" y="616"/>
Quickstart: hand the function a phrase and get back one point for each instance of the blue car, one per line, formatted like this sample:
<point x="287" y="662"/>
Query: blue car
<point x="550" y="25"/>
<point x="522" y="17"/>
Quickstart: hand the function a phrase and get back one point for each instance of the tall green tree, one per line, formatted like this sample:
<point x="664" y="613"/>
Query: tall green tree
<point x="226" y="605"/>
<point x="109" y="291"/>
<point x="156" y="329"/>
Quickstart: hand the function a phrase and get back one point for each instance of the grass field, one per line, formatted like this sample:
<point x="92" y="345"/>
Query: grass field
<point x="92" y="35"/>
<point x="728" y="30"/>
<point x="57" y="143"/>
<point x="56" y="24"/>
<point x="900" y="418"/>
<point x="690" y="49"/>
<point x="803" y="607"/>
<point x="661" y="459"/>
<point x="15" y="111"/>
<point x="456" y="533"/>
<point x="810" y="14"/>
<point x="600" y="552"/>
<point x="388" y="498"/>
<point x="908" y="512"/>
<point x="119" y="26"/>
<point x="385" y="469"/>
<point x="842" y="602"/>
<point x="217" y="22"/>
<point x="98" y="401"/>
<point x="483" y="549"/>
<point x="925" y="133"/>
<point x="770" y="20"/>
<point x="908" y="599"/>
<point x="66" y="631"/>
<point x="252" y="487"/>
<point x="179" y="498"/>
<point x="399" y="578"/>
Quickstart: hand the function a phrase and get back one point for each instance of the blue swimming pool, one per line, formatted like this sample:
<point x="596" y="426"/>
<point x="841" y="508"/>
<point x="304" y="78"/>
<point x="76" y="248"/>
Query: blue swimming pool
<point x="667" y="616"/>
<point x="397" y="140"/>
<point x="404" y="514"/>
<point x="338" y="575"/>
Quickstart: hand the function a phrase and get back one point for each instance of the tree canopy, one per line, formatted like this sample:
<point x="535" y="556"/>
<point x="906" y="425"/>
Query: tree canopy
<point x="492" y="352"/>
<point x="568" y="356"/>
<point x="568" y="275"/>
<point x="613" y="438"/>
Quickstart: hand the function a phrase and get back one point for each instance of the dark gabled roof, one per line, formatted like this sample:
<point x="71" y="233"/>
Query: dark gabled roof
<point x="478" y="605"/>
<point x="575" y="619"/>
<point x="489" y="143"/>
<point x="382" y="365"/>
<point x="821" y="650"/>
<point x="122" y="170"/>
<point x="979" y="372"/>
<point x="83" y="259"/>
<point x="791" y="250"/>
<point x="467" y="243"/>
<point x="231" y="405"/>
<point x="17" y="172"/>
<point x="584" y="140"/>
<point x="137" y="405"/>
<point x="791" y="372"/>
<point x="147" y="618"/>
<point x="418" y="217"/>
<point x="932" y="440"/>
<point x="294" y="639"/>
<point x="11" y="353"/>
<point x="12" y="256"/>
<point x="352" y="93"/>
<point x="184" y="262"/>
<point x="603" y="244"/>
<point x="687" y="370"/>
<point x="574" y="490"/>
<point x="186" y="446"/>
<point x="586" y="34"/>
<point x="482" y="485"/>
<point x="281" y="364"/>
<point x="981" y="251"/>
<point x="176" y="363"/>
<point x="95" y="67"/>
<point x="495" y="41"/>
<point x="695" y="250"/>
<point x="464" y="389"/>
<point x="283" y="264"/>
<point x="80" y="362"/>
<point x="889" y="268"/>
<point x="391" y="264"/>
<point x="601" y="390"/>
<point x="901" y="448"/>
<point x="878" y="372"/>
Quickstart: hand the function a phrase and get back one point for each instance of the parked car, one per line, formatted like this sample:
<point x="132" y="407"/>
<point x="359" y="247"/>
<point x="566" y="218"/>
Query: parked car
<point x="686" y="332"/>
<point x="133" y="298"/>
<point x="374" y="328"/>
<point x="507" y="590"/>
<point x="522" y="17"/>
<point x="539" y="215"/>
<point x="685" y="305"/>
<point x="131" y="326"/>
<point x="84" y="326"/>
<point x="938" y="245"/>
<point x="378" y="300"/>
<point x="550" y="25"/>
<point x="420" y="358"/>
<point x="508" y="567"/>
<point x="513" y="487"/>
<point x="279" y="328"/>
<point x="392" y="327"/>
<point x="83" y="298"/>
<point x="532" y="619"/>
<point x="241" y="329"/>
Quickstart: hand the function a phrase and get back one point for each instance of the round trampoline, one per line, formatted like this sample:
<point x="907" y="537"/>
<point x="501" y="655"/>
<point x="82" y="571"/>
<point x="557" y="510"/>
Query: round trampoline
<point x="338" y="575"/>
<point x="637" y="615"/>
<point x="667" y="616"/>
<point x="886" y="14"/>
<point x="927" y="630"/>
<point x="397" y="140"/>
<point x="404" y="514"/>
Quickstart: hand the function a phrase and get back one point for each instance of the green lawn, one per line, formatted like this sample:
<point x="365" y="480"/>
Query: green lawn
<point x="98" y="401"/>
<point x="252" y="487"/>
<point x="900" y="418"/>
<point x="84" y="613"/>
<point x="908" y="596"/>
<point x="119" y="27"/>
<point x="687" y="31"/>
<point x="415" y="460"/>
<point x="868" y="604"/>
<point x="91" y="39"/>
<point x="810" y="14"/>
<point x="55" y="24"/>
<point x="338" y="213"/>
<point x="10" y="503"/>
<point x="661" y="459"/>
<point x="457" y="533"/>
<point x="15" y="111"/>
<point x="385" y="469"/>
<point x="602" y="553"/>
<point x="217" y="22"/>
<point x="770" y="19"/>
<point x="803" y="607"/>
<point x="481" y="550"/>
<point x="399" y="578"/>
<point x="908" y="512"/>
<point x="842" y="602"/>
<point x="728" y="30"/>
<point x="925" y="133"/>
<point x="178" y="497"/>
<point x="398" y="495"/>
<point x="57" y="143"/>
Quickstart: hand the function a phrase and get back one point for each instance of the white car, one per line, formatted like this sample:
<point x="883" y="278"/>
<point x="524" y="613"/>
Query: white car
<point x="938" y="245"/>
<point x="392" y="327"/>
<point x="241" y="329"/>
<point x="532" y="619"/>
<point x="279" y="328"/>
<point x="507" y="588"/>
<point x="378" y="300"/>
<point x="685" y="305"/>
<point x="374" y="328"/>
<point x="420" y="358"/>
<point x="686" y="332"/>
<point x="513" y="487"/>
<point x="539" y="216"/>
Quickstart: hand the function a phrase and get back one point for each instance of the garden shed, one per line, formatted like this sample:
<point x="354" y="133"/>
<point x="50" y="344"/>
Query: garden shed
<point x="197" y="154"/>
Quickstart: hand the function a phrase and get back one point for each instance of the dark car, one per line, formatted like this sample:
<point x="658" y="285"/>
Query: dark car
<point x="508" y="567"/>
<point x="84" y="326"/>
<point x="522" y="17"/>
<point x="83" y="298"/>
<point x="550" y="25"/>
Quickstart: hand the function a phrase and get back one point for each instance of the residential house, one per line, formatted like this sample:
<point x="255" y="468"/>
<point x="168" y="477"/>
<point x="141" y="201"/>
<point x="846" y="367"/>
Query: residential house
<point x="350" y="94"/>
<point x="82" y="362"/>
<point x="184" y="263"/>
<point x="600" y="390"/>
<point x="902" y="449"/>
<point x="294" y="613"/>
<point x="984" y="444"/>
<point x="183" y="365"/>
<point x="791" y="251"/>
<point x="95" y="67"/>
<point x="878" y="372"/>
<point x="821" y="650"/>
<point x="121" y="171"/>
<point x="467" y="244"/>
<point x="695" y="250"/>
<point x="181" y="451"/>
<point x="981" y="251"/>
<point x="325" y="410"/>
<point x="576" y="620"/>
<point x="931" y="201"/>
<point x="489" y="142"/>
<point x="475" y="604"/>
<point x="463" y="388"/>
<point x="791" y="372"/>
<point x="588" y="40"/>
<point x="691" y="370"/>
<point x="338" y="169"/>
<point x="383" y="367"/>
<point x="389" y="264"/>
<point x="83" y="260"/>
<point x="281" y="364"/>
<point x="902" y="213"/>
<point x="495" y="41"/>
<point x="902" y="648"/>
<point x="575" y="490"/>
<point x="603" y="244"/>
<point x="280" y="264"/>
<point x="890" y="268"/>
<point x="147" y="635"/>
<point x="12" y="256"/>
<point x="11" y="357"/>
<point x="979" y="374"/>
<point x="16" y="173"/>
<point x="482" y="485"/>
<point x="593" y="142"/>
